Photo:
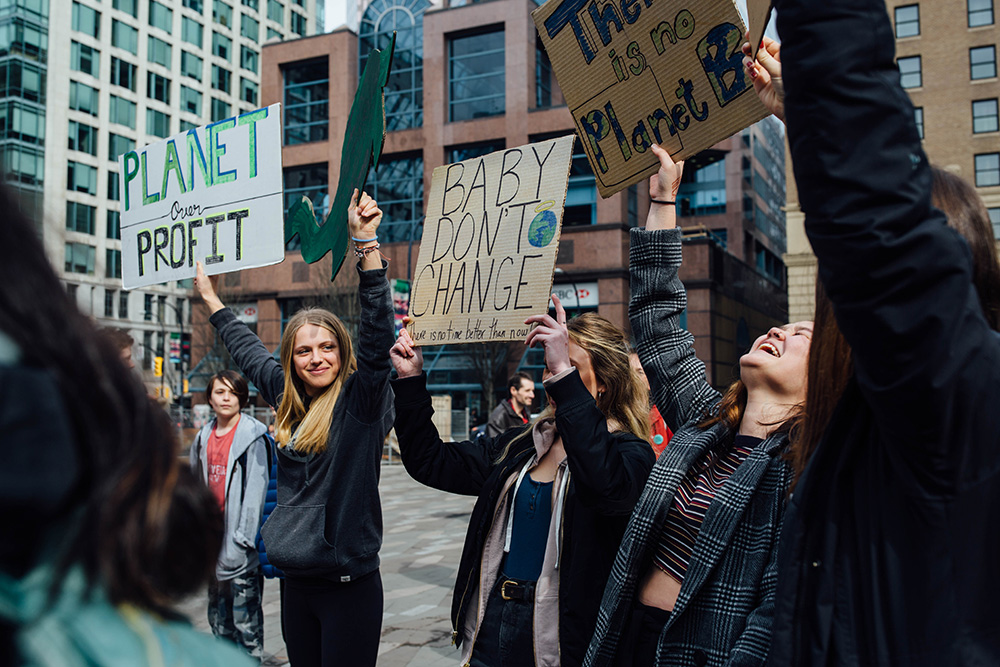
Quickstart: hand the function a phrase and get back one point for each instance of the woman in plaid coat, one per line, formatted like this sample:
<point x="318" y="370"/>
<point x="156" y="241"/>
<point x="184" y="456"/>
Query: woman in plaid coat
<point x="693" y="582"/>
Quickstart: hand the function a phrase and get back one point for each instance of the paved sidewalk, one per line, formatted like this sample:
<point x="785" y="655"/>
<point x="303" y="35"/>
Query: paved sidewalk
<point x="424" y="532"/>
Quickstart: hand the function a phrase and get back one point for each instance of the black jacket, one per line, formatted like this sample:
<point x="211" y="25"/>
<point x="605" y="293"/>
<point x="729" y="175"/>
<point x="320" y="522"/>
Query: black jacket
<point x="891" y="540"/>
<point x="607" y="474"/>
<point x="503" y="418"/>
<point x="328" y="519"/>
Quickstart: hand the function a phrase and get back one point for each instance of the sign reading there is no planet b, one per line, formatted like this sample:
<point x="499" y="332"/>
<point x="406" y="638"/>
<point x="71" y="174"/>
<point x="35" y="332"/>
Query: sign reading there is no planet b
<point x="489" y="244"/>
<point x="211" y="194"/>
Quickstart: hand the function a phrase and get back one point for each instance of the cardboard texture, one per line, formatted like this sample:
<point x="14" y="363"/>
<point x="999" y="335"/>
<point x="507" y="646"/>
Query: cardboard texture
<point x="363" y="141"/>
<point x="637" y="72"/>
<point x="211" y="194"/>
<point x="489" y="244"/>
<point x="758" y="15"/>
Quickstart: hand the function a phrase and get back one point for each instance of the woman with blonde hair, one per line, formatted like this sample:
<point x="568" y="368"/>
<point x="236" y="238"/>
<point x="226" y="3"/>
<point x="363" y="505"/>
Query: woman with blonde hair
<point x="553" y="496"/>
<point x="333" y="413"/>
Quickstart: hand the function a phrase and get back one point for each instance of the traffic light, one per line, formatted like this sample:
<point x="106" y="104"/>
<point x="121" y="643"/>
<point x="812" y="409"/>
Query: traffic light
<point x="158" y="366"/>
<point x="186" y="348"/>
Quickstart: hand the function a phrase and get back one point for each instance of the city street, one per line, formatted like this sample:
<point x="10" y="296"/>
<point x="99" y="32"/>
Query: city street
<point x="424" y="531"/>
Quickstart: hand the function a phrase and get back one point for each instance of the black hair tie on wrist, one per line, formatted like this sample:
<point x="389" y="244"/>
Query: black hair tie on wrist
<point x="663" y="201"/>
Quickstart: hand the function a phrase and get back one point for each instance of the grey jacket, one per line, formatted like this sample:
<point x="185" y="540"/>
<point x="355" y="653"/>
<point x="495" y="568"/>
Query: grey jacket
<point x="244" y="498"/>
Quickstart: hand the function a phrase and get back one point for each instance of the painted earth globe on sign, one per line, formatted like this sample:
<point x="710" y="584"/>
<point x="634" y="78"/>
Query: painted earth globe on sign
<point x="542" y="229"/>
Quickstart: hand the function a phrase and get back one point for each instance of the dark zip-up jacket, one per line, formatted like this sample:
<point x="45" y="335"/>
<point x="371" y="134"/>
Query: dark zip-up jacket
<point x="607" y="474"/>
<point x="890" y="542"/>
<point x="328" y="520"/>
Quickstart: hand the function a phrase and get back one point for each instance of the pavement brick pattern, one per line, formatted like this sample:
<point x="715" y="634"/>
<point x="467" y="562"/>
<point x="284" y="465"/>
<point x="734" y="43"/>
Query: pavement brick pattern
<point x="424" y="532"/>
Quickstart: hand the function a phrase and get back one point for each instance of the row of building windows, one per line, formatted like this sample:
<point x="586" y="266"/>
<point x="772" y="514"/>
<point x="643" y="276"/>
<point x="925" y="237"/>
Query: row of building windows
<point x="985" y="117"/>
<point x="907" y="17"/>
<point x="80" y="258"/>
<point x="982" y="65"/>
<point x="86" y="59"/>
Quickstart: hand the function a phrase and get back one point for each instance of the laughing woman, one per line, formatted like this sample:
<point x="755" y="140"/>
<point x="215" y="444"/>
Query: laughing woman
<point x="693" y="582"/>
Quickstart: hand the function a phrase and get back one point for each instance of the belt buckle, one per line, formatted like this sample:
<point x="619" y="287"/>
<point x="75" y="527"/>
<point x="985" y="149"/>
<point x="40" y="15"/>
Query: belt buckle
<point x="503" y="590"/>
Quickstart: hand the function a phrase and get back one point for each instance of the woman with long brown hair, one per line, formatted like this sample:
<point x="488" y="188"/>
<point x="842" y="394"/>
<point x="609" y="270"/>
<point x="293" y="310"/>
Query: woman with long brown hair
<point x="553" y="496"/>
<point x="693" y="582"/>
<point x="334" y="410"/>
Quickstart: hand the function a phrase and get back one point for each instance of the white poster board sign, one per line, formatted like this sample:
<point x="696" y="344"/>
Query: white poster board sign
<point x="213" y="194"/>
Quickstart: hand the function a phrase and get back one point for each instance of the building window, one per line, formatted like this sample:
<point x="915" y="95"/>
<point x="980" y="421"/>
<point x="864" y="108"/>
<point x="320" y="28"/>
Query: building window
<point x="987" y="169"/>
<point x="581" y="191"/>
<point x="82" y="97"/>
<point x="984" y="116"/>
<point x="918" y="118"/>
<point x="196" y="5"/>
<point x="123" y="74"/>
<point x="24" y="164"/>
<point x="114" y="225"/>
<point x="252" y="4"/>
<point x="157" y="123"/>
<point x="249" y="27"/>
<point x="80" y="258"/>
<point x="147" y="314"/>
<point x="476" y="76"/>
<point x="113" y="263"/>
<point x="83" y="58"/>
<point x="80" y="217"/>
<point x="22" y="122"/>
<point x="221" y="45"/>
<point x="123" y="304"/>
<point x="297" y="24"/>
<point x="114" y="187"/>
<point x="22" y="79"/>
<point x="220" y="109"/>
<point x="161" y="16"/>
<point x="130" y="7"/>
<point x="909" y="72"/>
<point x="82" y="137"/>
<point x="311" y="182"/>
<point x="471" y="151"/>
<point x="190" y="100"/>
<point x="222" y="13"/>
<point x="248" y="91"/>
<point x="121" y="111"/>
<point x="158" y="51"/>
<point x="81" y="177"/>
<point x="186" y="125"/>
<point x="124" y="36"/>
<point x="306" y="111"/>
<point x="248" y="59"/>
<point x="86" y="20"/>
<point x="543" y="77"/>
<point x="404" y="93"/>
<point x="192" y="32"/>
<point x="398" y="187"/>
<point x="191" y="65"/>
<point x="221" y="79"/>
<point x="109" y="303"/>
<point x="703" y="191"/>
<point x="275" y="11"/>
<point x="980" y="12"/>
<point x="118" y="145"/>
<point x="995" y="221"/>
<point x="274" y="34"/>
<point x="907" y="21"/>
<point x="157" y="87"/>
<point x="983" y="62"/>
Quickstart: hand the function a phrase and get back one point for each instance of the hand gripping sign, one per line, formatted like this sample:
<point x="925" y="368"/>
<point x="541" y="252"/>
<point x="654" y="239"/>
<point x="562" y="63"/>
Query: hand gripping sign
<point x="213" y="194"/>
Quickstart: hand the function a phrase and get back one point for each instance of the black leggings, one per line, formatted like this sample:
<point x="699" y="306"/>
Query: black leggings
<point x="329" y="624"/>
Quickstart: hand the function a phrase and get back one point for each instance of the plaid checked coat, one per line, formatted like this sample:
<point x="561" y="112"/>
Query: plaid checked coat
<point x="724" y="612"/>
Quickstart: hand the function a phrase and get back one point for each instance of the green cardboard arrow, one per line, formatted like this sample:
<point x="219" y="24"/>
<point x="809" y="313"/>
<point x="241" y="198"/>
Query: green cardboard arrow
<point x="363" y="140"/>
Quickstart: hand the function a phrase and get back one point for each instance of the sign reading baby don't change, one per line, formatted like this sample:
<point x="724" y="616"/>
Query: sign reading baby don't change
<point x="489" y="244"/>
<point x="213" y="194"/>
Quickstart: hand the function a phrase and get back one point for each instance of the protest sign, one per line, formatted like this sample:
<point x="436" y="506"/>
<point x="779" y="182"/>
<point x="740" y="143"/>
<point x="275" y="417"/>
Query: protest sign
<point x="213" y="194"/>
<point x="363" y="140"/>
<point x="638" y="72"/>
<point x="489" y="244"/>
<point x="758" y="14"/>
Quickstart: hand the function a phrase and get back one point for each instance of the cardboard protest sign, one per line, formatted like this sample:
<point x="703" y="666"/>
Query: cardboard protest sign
<point x="638" y="72"/>
<point x="758" y="14"/>
<point x="363" y="140"/>
<point x="489" y="244"/>
<point x="213" y="194"/>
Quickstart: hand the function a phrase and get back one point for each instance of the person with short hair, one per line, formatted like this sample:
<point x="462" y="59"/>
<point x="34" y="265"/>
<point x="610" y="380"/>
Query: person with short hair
<point x="515" y="410"/>
<point x="230" y="455"/>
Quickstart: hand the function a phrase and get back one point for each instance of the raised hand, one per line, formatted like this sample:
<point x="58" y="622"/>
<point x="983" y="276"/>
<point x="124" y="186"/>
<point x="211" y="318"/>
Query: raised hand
<point x="553" y="335"/>
<point x="363" y="216"/>
<point x="406" y="358"/>
<point x="663" y="186"/>
<point x="206" y="288"/>
<point x="766" y="75"/>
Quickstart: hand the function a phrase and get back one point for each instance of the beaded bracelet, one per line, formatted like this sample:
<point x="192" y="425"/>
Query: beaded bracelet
<point x="663" y="201"/>
<point x="365" y="251"/>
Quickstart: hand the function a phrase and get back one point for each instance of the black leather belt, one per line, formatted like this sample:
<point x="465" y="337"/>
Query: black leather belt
<point x="523" y="591"/>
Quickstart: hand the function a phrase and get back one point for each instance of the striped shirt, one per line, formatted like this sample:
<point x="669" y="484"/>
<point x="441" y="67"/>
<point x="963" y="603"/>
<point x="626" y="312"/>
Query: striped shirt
<point x="694" y="495"/>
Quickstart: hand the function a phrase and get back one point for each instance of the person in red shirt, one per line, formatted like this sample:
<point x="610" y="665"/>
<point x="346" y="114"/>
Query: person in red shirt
<point x="660" y="433"/>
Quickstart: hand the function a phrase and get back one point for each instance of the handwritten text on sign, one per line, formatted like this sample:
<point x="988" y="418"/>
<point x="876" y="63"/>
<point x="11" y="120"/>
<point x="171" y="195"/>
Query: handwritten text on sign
<point x="638" y="72"/>
<point x="489" y="244"/>
<point x="212" y="194"/>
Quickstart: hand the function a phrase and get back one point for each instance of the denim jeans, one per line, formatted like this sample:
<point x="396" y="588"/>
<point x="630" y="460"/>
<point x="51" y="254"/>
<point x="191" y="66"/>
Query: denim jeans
<point x="641" y="637"/>
<point x="505" y="637"/>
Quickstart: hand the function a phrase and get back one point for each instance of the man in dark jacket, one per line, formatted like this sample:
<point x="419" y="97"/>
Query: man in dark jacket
<point x="889" y="544"/>
<point x="515" y="410"/>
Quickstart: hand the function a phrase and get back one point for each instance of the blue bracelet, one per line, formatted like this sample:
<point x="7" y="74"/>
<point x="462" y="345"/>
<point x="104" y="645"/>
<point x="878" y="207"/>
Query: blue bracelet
<point x="365" y="240"/>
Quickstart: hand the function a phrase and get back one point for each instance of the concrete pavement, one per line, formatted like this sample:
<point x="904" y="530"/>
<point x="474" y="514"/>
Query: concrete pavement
<point x="424" y="533"/>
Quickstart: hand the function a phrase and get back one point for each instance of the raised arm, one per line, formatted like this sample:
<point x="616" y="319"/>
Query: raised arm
<point x="678" y="384"/>
<point x="899" y="279"/>
<point x="254" y="360"/>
